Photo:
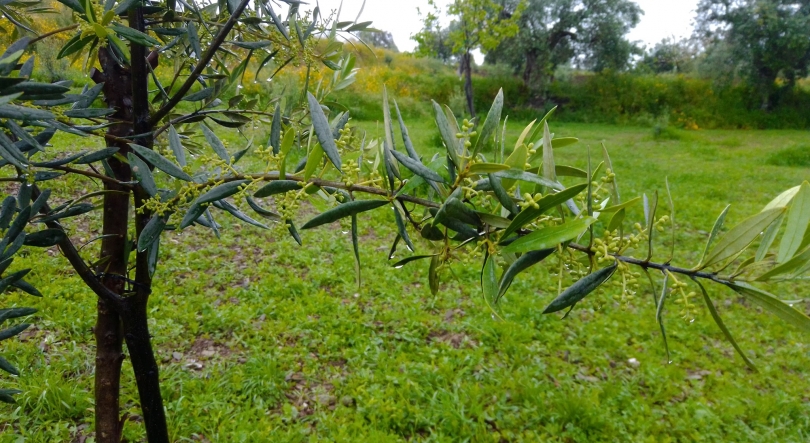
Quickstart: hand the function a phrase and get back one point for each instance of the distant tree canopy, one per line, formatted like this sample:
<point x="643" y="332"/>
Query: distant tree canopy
<point x="670" y="56"/>
<point x="379" y="39"/>
<point x="476" y="24"/>
<point x="765" y="42"/>
<point x="589" y="33"/>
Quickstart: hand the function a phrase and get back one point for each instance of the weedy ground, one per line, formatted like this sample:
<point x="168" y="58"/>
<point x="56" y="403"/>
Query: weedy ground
<point x="262" y="340"/>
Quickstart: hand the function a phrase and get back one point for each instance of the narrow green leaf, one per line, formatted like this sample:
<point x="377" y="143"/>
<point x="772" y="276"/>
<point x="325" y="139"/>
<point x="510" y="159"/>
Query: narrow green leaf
<point x="5" y="365"/>
<point x="489" y="280"/>
<point x="401" y="228"/>
<point x="286" y="144"/>
<point x="12" y="331"/>
<point x="768" y="238"/>
<point x="275" y="130"/>
<point x="614" y="186"/>
<point x="313" y="161"/>
<point x="528" y="177"/>
<point x="453" y="208"/>
<point x="142" y="173"/>
<point x="192" y="215"/>
<point x="798" y="261"/>
<point x="570" y="171"/>
<point x="659" y="312"/>
<point x="433" y="274"/>
<point x="6" y="314"/>
<point x="45" y="238"/>
<point x="739" y="237"/>
<point x="417" y="167"/>
<point x="718" y="224"/>
<point x="517" y="162"/>
<point x="797" y="222"/>
<point x="502" y="195"/>
<point x="407" y="260"/>
<point x="278" y="187"/>
<point x="176" y="146"/>
<point x="194" y="39"/>
<point x="490" y="126"/>
<point x="151" y="232"/>
<point x="261" y="211"/>
<point x="221" y="191"/>
<point x="24" y="113"/>
<point x="294" y="232"/>
<point x="783" y="199"/>
<point x="580" y="289"/>
<point x="234" y="211"/>
<point x="160" y="162"/>
<point x="406" y="138"/>
<point x="324" y="133"/>
<point x="72" y="211"/>
<point x="722" y="326"/>
<point x="216" y="144"/>
<point x="488" y="168"/>
<point x="521" y="264"/>
<point x="344" y="210"/>
<point x="549" y="168"/>
<point x="616" y="220"/>
<point x="448" y="136"/>
<point x="770" y="303"/>
<point x="562" y="142"/>
<point x="551" y="236"/>
<point x="18" y="224"/>
<point x="624" y="205"/>
<point x="202" y="94"/>
<point x="96" y="156"/>
<point x="529" y="214"/>
<point x="356" y="249"/>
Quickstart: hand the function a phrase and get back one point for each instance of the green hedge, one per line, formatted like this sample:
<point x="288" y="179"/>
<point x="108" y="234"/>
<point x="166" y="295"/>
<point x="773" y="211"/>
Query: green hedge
<point x="676" y="100"/>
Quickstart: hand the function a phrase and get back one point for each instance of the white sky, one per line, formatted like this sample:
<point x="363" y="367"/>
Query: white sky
<point x="661" y="19"/>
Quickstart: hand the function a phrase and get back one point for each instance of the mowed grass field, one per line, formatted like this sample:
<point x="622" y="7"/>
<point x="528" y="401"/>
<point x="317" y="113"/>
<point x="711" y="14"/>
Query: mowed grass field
<point x="262" y="340"/>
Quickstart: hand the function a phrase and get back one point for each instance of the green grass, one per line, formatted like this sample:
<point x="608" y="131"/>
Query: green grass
<point x="262" y="340"/>
<point x="798" y="155"/>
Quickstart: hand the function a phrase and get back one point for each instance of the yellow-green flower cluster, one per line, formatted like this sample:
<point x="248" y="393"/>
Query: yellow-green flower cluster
<point x="679" y="289"/>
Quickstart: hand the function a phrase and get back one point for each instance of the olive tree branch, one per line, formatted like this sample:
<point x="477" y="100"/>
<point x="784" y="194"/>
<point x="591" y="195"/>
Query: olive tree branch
<point x="201" y="64"/>
<point x="72" y="254"/>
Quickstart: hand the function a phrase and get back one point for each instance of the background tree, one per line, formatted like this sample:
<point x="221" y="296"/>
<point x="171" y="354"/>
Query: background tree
<point x="765" y="42"/>
<point x="588" y="33"/>
<point x="477" y="24"/>
<point x="379" y="39"/>
<point x="670" y="56"/>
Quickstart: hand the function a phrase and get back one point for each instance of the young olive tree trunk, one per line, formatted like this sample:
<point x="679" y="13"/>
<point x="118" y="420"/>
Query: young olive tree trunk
<point x="125" y="90"/>
<point x="113" y="264"/>
<point x="466" y="68"/>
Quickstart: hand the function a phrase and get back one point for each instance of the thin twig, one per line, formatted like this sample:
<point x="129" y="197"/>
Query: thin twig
<point x="54" y="32"/>
<point x="201" y="64"/>
<point x="75" y="259"/>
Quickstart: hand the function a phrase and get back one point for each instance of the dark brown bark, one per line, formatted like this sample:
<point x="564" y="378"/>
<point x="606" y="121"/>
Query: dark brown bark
<point x="113" y="264"/>
<point x="466" y="67"/>
<point x="136" y="329"/>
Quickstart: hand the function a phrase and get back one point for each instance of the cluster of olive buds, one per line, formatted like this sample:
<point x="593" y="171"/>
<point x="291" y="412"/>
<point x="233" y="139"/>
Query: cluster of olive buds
<point x="689" y="310"/>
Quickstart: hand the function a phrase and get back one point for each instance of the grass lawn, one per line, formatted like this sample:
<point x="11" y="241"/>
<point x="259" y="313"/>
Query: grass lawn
<point x="262" y="340"/>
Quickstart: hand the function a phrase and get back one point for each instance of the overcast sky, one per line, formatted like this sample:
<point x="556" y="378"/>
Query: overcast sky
<point x="661" y="19"/>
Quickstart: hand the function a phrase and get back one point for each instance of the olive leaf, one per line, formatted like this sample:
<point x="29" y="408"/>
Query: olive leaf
<point x="797" y="223"/>
<point x="322" y="130"/>
<point x="740" y="236"/>
<point x="490" y="124"/>
<point x="772" y="304"/>
<point x="343" y="210"/>
<point x="160" y="162"/>
<point x="550" y="236"/>
<point x="580" y="289"/>
<point x="521" y="264"/>
<point x="543" y="205"/>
